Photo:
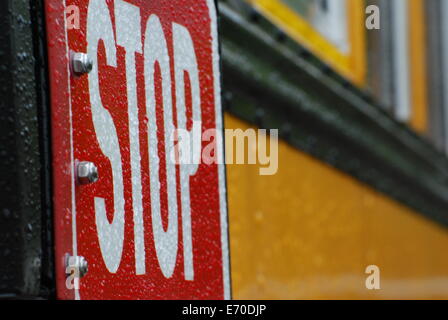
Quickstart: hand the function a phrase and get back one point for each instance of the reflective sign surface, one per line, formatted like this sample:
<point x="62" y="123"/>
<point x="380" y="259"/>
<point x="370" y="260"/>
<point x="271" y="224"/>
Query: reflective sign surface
<point x="151" y="227"/>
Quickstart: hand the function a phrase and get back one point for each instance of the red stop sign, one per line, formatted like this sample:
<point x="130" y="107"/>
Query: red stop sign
<point x="150" y="227"/>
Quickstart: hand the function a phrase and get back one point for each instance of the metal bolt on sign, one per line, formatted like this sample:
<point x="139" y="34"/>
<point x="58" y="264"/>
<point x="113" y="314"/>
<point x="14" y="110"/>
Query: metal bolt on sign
<point x="87" y="172"/>
<point x="81" y="63"/>
<point x="78" y="263"/>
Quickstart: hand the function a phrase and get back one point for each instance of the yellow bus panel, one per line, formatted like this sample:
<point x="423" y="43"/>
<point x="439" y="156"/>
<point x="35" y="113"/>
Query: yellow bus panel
<point x="419" y="117"/>
<point x="310" y="231"/>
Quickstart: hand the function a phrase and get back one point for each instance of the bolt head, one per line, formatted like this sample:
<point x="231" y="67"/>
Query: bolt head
<point x="81" y="63"/>
<point x="77" y="263"/>
<point x="83" y="266"/>
<point x="87" y="172"/>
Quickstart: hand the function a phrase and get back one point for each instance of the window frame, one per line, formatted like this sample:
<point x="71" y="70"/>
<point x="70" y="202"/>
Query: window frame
<point x="352" y="64"/>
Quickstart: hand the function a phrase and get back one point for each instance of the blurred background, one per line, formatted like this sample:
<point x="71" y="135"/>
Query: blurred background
<point x="358" y="91"/>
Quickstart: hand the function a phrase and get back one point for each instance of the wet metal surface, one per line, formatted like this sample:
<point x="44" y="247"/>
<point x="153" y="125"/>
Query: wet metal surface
<point x="22" y="200"/>
<point x="144" y="234"/>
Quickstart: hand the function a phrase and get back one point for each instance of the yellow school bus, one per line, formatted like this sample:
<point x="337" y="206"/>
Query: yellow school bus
<point x="361" y="186"/>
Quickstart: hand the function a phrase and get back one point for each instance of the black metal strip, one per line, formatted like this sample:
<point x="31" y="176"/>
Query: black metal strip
<point x="48" y="281"/>
<point x="24" y="197"/>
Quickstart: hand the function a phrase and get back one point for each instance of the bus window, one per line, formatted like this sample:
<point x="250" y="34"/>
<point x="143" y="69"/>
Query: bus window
<point x="331" y="29"/>
<point x="329" y="18"/>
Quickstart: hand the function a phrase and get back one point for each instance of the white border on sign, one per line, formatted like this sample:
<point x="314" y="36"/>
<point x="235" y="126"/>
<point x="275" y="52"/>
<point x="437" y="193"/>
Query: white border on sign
<point x="72" y="164"/>
<point x="221" y="167"/>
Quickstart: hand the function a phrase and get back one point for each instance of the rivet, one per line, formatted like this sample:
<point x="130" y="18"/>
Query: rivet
<point x="81" y="63"/>
<point x="87" y="172"/>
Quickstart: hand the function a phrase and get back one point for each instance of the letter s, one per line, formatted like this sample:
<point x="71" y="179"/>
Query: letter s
<point x="110" y="235"/>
